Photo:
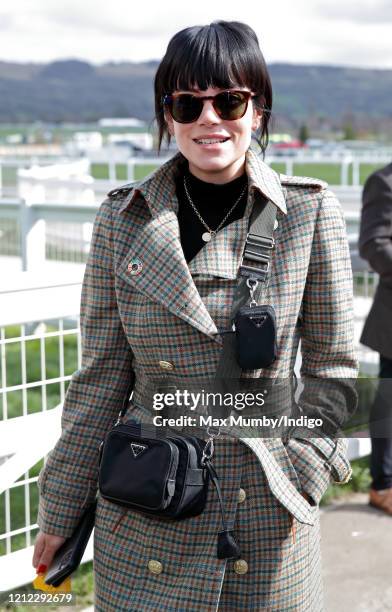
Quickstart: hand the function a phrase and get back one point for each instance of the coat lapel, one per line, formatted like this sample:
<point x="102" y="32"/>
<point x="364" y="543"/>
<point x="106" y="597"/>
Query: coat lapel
<point x="165" y="275"/>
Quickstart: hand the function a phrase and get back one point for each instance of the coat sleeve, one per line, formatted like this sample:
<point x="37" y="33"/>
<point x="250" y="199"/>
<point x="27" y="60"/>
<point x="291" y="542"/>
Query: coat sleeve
<point x="329" y="364"/>
<point x="375" y="236"/>
<point x="68" y="480"/>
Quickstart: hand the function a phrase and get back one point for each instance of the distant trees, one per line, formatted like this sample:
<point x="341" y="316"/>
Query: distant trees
<point x="303" y="134"/>
<point x="349" y="125"/>
<point x="311" y="101"/>
<point x="349" y="132"/>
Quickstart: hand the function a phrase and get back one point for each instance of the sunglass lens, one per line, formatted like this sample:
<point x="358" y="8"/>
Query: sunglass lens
<point x="186" y="108"/>
<point x="231" y="105"/>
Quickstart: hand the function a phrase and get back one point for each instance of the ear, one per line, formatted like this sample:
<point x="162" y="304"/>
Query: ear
<point x="169" y="122"/>
<point x="257" y="116"/>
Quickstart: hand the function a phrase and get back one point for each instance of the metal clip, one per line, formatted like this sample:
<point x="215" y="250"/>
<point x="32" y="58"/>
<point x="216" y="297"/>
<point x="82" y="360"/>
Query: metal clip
<point x="208" y="450"/>
<point x="252" y="284"/>
<point x="119" y="419"/>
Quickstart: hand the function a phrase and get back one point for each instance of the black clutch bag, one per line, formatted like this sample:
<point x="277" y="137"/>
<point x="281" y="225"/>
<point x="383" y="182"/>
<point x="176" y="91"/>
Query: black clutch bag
<point x="68" y="557"/>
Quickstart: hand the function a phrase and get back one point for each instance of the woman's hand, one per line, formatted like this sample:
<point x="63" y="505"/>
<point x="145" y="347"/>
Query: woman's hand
<point x="45" y="547"/>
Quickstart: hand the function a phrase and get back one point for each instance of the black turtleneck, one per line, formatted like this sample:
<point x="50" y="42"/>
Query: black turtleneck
<point x="212" y="201"/>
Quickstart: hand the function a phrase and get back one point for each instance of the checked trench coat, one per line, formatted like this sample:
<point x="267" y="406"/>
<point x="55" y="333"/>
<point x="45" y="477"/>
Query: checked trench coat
<point x="170" y="311"/>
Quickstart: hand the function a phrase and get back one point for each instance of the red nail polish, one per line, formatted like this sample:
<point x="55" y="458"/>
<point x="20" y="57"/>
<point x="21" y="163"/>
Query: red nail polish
<point x="41" y="568"/>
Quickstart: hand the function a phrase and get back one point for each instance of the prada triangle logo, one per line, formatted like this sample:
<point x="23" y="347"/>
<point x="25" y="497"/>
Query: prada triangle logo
<point x="258" y="321"/>
<point x="137" y="449"/>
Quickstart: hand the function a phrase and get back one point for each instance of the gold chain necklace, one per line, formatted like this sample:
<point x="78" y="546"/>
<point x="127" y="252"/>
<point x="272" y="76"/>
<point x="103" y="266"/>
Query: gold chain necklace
<point x="211" y="233"/>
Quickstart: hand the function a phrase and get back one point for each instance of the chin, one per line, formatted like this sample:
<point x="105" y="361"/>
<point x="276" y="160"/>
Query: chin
<point x="214" y="163"/>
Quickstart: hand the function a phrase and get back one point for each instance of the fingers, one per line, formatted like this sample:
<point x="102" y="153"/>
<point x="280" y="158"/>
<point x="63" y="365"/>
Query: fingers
<point x="45" y="548"/>
<point x="39" y="547"/>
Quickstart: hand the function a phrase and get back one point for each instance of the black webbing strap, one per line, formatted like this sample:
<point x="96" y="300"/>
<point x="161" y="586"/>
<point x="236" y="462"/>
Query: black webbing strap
<point x="255" y="266"/>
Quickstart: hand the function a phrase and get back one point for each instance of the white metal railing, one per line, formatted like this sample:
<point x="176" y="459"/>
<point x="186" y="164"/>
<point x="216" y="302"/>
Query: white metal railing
<point x="348" y="166"/>
<point x="45" y="231"/>
<point x="348" y="163"/>
<point x="33" y="168"/>
<point x="40" y="232"/>
<point x="39" y="350"/>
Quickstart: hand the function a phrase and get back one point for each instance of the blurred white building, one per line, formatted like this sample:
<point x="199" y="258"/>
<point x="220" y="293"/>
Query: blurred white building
<point x="83" y="142"/>
<point x="121" y="122"/>
<point x="142" y="140"/>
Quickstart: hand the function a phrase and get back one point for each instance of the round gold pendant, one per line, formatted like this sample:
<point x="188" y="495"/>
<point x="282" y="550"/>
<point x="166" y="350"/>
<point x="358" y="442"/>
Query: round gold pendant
<point x="206" y="236"/>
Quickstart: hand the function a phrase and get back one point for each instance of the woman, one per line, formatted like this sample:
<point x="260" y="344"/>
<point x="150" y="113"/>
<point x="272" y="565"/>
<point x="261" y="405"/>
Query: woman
<point x="157" y="291"/>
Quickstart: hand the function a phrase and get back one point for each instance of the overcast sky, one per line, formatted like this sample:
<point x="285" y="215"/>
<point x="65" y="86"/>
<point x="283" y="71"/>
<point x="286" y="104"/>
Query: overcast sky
<point x="338" y="32"/>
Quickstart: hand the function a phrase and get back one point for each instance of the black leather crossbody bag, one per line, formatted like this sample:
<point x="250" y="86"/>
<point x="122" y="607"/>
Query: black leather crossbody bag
<point x="161" y="474"/>
<point x="168" y="474"/>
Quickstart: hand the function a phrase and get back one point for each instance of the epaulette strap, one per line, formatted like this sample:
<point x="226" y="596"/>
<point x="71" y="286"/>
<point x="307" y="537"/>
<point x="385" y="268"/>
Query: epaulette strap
<point x="121" y="191"/>
<point x="303" y="181"/>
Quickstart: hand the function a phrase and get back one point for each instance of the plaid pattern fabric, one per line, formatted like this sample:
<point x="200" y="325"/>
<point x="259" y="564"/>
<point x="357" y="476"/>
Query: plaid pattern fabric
<point x="172" y="311"/>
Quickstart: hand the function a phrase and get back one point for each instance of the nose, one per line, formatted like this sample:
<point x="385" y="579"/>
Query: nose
<point x="208" y="114"/>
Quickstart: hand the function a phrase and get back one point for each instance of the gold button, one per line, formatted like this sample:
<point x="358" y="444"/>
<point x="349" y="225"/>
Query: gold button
<point x="155" y="567"/>
<point x="241" y="496"/>
<point x="166" y="365"/>
<point x="240" y="566"/>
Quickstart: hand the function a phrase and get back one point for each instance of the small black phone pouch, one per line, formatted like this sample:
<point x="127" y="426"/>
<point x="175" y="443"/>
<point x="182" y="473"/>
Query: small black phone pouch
<point x="255" y="333"/>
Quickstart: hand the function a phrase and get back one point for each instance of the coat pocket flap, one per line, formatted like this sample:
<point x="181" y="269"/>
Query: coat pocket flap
<point x="281" y="487"/>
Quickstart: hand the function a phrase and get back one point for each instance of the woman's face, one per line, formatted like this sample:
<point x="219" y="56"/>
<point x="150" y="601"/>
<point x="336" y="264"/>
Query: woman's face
<point x="217" y="163"/>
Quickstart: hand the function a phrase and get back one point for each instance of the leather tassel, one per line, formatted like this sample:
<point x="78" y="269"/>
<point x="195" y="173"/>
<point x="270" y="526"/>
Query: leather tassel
<point x="227" y="547"/>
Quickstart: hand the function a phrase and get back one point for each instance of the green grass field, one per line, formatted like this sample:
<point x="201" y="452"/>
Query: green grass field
<point x="326" y="172"/>
<point x="101" y="171"/>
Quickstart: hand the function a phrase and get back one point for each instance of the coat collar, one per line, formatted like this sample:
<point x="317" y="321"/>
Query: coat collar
<point x="158" y="187"/>
<point x="166" y="277"/>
